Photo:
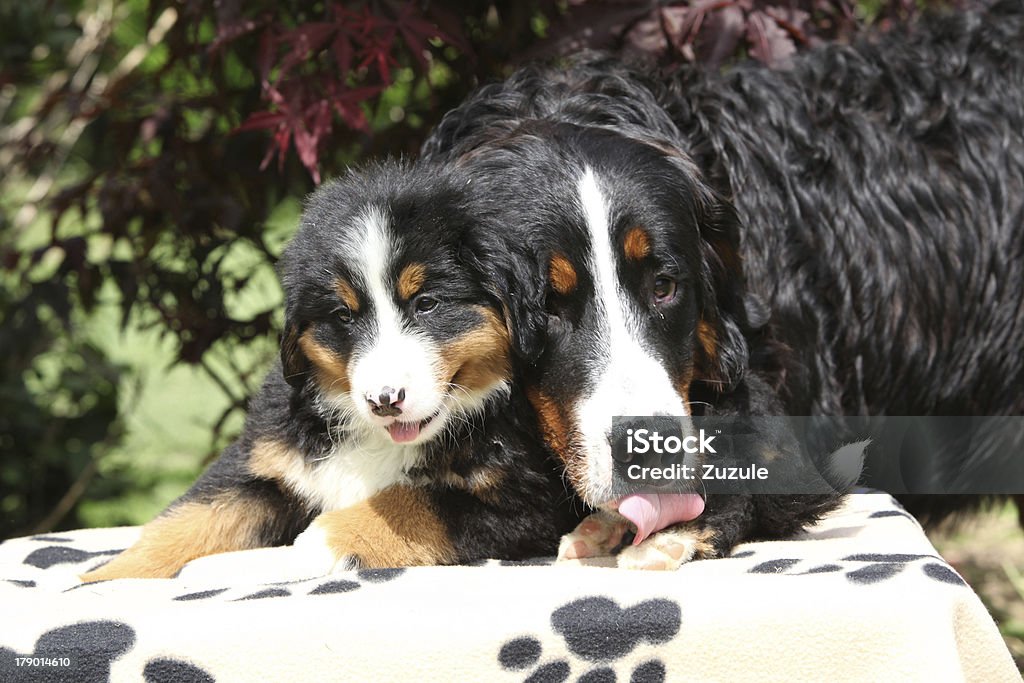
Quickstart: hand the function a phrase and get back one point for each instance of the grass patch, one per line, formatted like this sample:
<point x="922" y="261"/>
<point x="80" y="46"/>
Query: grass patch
<point x="987" y="550"/>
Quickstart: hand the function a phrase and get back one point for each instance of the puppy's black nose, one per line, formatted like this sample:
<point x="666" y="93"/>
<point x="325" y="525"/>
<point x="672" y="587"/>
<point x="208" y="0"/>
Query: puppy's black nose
<point x="387" y="403"/>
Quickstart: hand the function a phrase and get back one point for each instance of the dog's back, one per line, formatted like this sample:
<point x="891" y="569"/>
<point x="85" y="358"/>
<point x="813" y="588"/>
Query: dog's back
<point x="881" y="188"/>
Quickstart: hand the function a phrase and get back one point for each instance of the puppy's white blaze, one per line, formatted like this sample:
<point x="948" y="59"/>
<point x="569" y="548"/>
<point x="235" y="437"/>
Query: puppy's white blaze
<point x="631" y="380"/>
<point x="398" y="358"/>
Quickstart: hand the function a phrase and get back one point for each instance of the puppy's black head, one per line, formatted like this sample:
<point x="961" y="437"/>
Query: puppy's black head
<point x="387" y="324"/>
<point x="632" y="284"/>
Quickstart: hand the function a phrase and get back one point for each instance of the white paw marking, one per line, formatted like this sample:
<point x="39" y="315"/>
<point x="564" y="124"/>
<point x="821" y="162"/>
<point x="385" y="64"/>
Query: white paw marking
<point x="665" y="550"/>
<point x="595" y="536"/>
<point x="312" y="554"/>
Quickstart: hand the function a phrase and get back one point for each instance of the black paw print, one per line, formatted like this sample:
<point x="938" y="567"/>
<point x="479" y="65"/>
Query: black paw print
<point x="866" y="569"/>
<point x="328" y="587"/>
<point x="52" y="555"/>
<point x="598" y="632"/>
<point x="166" y="670"/>
<point x="92" y="646"/>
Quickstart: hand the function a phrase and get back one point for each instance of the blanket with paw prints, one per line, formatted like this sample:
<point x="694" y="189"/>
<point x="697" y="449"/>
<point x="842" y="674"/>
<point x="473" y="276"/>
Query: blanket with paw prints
<point x="862" y="596"/>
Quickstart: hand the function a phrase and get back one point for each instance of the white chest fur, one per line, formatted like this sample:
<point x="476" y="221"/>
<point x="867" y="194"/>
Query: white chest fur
<point x="352" y="472"/>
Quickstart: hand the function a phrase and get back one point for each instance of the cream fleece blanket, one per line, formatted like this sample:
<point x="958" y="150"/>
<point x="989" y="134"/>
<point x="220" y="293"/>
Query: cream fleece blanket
<point x="861" y="597"/>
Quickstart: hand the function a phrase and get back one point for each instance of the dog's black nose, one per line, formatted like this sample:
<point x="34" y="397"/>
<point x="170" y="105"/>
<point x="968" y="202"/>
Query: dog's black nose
<point x="387" y="403"/>
<point x="620" y="438"/>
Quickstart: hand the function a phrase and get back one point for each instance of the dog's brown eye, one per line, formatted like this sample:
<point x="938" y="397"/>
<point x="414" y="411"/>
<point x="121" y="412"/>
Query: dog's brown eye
<point x="664" y="289"/>
<point x="344" y="314"/>
<point x="425" y="304"/>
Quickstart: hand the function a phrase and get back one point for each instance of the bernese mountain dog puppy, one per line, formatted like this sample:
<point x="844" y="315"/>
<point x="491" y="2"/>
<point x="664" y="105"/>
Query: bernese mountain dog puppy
<point x="390" y="427"/>
<point x="842" y="237"/>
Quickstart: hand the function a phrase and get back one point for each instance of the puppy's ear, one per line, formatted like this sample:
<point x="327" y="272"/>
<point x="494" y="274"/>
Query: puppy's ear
<point x="523" y="295"/>
<point x="294" y="363"/>
<point x="512" y="275"/>
<point x="727" y="312"/>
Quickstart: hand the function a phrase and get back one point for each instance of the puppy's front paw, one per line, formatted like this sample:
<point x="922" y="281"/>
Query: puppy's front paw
<point x="315" y="554"/>
<point x="668" y="549"/>
<point x="597" y="535"/>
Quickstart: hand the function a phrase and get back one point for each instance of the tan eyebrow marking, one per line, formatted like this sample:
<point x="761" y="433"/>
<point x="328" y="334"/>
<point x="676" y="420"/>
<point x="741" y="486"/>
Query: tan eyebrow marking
<point x="411" y="280"/>
<point x="561" y="274"/>
<point x="346" y="294"/>
<point x="637" y="244"/>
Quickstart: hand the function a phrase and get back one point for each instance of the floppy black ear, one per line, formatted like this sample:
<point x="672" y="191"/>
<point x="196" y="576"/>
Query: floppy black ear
<point x="512" y="275"/>
<point x="294" y="363"/>
<point x="727" y="311"/>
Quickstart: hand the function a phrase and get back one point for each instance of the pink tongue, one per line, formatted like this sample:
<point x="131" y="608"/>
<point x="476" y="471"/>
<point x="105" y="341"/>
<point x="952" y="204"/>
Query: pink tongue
<point x="653" y="512"/>
<point x="403" y="432"/>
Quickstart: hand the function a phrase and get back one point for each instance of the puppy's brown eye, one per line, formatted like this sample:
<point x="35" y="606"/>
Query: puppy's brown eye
<point x="344" y="314"/>
<point x="664" y="289"/>
<point x="425" y="304"/>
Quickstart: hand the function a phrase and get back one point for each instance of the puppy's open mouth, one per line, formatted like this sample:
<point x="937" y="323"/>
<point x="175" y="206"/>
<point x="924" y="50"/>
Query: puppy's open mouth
<point x="404" y="432"/>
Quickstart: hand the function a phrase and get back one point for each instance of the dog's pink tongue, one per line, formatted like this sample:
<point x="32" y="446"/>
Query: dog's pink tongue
<point x="403" y="432"/>
<point x="652" y="512"/>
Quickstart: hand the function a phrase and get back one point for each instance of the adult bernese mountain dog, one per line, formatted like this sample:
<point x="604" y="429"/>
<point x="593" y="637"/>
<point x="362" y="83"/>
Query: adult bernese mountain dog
<point x="841" y="237"/>
<point x="389" y="427"/>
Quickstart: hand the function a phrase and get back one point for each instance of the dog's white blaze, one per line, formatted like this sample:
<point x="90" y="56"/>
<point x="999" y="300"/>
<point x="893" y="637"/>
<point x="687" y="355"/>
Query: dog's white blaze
<point x="399" y="358"/>
<point x="632" y="381"/>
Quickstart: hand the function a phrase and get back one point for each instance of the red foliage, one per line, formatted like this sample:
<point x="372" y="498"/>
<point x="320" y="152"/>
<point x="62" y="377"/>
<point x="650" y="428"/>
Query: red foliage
<point x="319" y="73"/>
<point x="314" y="70"/>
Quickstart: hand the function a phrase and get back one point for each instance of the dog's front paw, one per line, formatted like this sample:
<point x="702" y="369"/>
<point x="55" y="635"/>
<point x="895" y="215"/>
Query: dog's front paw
<point x="668" y="549"/>
<point x="316" y="554"/>
<point x="599" y="534"/>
